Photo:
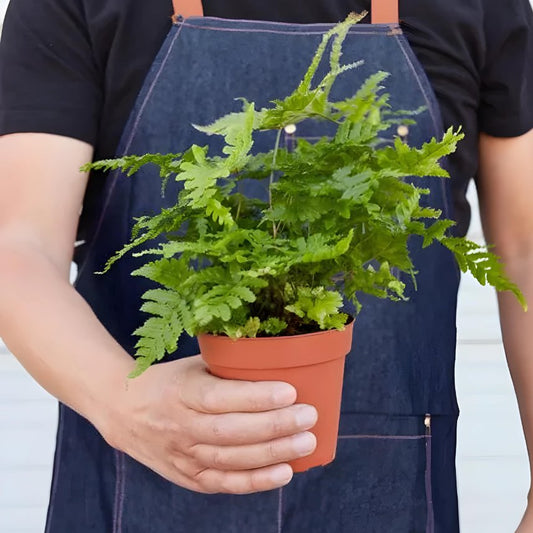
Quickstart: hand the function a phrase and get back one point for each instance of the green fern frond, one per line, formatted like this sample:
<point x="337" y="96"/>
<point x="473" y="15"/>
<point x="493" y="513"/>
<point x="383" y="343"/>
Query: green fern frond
<point x="423" y="161"/>
<point x="142" y="364"/>
<point x="272" y="326"/>
<point x="159" y="335"/>
<point x="237" y="129"/>
<point x="131" y="164"/>
<point x="149" y="228"/>
<point x="320" y="247"/>
<point x="317" y="304"/>
<point x="170" y="273"/>
<point x="339" y="217"/>
<point x="219" y="302"/>
<point x="484" y="266"/>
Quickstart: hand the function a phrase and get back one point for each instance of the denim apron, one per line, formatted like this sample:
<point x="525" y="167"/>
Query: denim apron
<point x="395" y="465"/>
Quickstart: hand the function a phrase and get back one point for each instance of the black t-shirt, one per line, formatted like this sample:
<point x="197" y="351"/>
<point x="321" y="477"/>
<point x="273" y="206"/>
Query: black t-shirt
<point x="74" y="67"/>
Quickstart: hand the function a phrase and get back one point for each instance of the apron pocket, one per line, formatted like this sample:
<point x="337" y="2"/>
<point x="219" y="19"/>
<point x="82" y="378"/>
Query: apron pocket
<point x="379" y="482"/>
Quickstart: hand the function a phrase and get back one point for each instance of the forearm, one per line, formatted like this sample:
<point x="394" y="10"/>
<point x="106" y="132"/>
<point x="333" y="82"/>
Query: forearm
<point x="517" y="330"/>
<point x="56" y="336"/>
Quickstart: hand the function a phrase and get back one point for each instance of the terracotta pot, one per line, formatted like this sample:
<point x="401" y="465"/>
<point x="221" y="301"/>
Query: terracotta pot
<point x="312" y="363"/>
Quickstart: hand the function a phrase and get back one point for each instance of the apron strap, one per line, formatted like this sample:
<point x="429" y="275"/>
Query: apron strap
<point x="187" y="8"/>
<point x="383" y="11"/>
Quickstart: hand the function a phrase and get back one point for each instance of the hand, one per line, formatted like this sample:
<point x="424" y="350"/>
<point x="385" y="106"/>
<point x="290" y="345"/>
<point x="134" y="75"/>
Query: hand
<point x="209" y="434"/>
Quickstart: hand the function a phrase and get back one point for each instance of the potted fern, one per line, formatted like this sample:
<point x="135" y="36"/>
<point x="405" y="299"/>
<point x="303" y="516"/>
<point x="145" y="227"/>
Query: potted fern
<point x="261" y="279"/>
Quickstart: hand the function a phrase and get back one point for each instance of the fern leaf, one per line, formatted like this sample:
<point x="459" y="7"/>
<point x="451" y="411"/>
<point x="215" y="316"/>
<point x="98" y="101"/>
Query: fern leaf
<point x="237" y="129"/>
<point x="215" y="303"/>
<point x="318" y="247"/>
<point x="250" y="329"/>
<point x="142" y="364"/>
<point x="483" y="265"/>
<point x="422" y="161"/>
<point x="316" y="304"/>
<point x="272" y="326"/>
<point x="159" y="335"/>
<point x="170" y="273"/>
<point x="130" y="164"/>
<point x="219" y="213"/>
<point x="148" y="228"/>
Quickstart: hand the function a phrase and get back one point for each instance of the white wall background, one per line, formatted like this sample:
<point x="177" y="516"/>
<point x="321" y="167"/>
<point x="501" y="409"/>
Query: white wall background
<point x="3" y="7"/>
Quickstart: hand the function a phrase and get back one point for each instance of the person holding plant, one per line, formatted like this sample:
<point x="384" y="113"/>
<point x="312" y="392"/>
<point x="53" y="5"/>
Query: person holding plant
<point x="178" y="448"/>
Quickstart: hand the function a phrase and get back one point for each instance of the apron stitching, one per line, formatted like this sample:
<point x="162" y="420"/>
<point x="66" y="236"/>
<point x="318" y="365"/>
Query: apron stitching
<point x="431" y="109"/>
<point x="117" y="481"/>
<point x="430" y="526"/>
<point x="358" y="27"/>
<point x="116" y="176"/>
<point x="280" y="510"/>
<point x="119" y="491"/>
<point x="57" y="467"/>
<point x="278" y="32"/>
<point x="150" y="91"/>
<point x="122" y="491"/>
<point x="419" y="82"/>
<point x="384" y="437"/>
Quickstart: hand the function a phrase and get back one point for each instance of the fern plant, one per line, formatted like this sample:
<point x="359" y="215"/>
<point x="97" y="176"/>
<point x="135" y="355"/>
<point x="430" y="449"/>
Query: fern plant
<point x="336" y="223"/>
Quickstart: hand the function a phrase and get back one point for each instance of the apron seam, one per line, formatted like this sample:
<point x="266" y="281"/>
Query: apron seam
<point x="127" y="145"/>
<point x="430" y="524"/>
<point x="280" y="510"/>
<point x="277" y="32"/>
<point x="120" y="482"/>
<point x="432" y="105"/>
<point x="414" y="70"/>
<point x="57" y="468"/>
<point x="150" y="91"/>
<point x="383" y="437"/>
<point x="360" y="26"/>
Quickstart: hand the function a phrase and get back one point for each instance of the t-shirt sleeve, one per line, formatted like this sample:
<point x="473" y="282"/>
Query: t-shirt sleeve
<point x="48" y="79"/>
<point x="506" y="99"/>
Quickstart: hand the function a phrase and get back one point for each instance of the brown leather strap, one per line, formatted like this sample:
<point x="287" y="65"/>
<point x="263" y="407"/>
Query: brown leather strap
<point x="383" y="11"/>
<point x="188" y="8"/>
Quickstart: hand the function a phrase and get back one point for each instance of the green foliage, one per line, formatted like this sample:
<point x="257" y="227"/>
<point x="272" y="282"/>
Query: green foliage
<point x="483" y="265"/>
<point x="319" y="305"/>
<point x="272" y="326"/>
<point x="337" y="221"/>
<point x="130" y="164"/>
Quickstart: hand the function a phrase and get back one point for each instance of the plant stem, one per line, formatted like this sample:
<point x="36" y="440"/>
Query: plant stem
<point x="325" y="117"/>
<point x="271" y="179"/>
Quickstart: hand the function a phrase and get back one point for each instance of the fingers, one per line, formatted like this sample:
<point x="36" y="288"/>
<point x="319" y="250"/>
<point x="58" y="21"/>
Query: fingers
<point x="206" y="393"/>
<point x="231" y="458"/>
<point x="263" y="479"/>
<point x="214" y="435"/>
<point x="233" y="429"/>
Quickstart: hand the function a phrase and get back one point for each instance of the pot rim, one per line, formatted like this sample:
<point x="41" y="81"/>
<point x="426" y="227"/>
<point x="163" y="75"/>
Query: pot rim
<point x="287" y="352"/>
<point x="285" y="338"/>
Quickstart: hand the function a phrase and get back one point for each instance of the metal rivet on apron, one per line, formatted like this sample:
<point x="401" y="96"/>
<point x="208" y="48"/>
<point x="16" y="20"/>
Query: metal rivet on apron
<point x="403" y="131"/>
<point x="290" y="129"/>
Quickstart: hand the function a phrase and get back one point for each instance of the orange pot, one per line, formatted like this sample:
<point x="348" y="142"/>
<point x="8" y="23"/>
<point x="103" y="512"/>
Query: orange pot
<point x="312" y="363"/>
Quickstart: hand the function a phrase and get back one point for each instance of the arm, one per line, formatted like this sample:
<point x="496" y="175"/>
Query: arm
<point x="40" y="314"/>
<point x="218" y="436"/>
<point x="506" y="200"/>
